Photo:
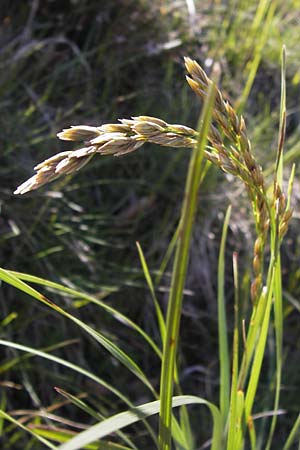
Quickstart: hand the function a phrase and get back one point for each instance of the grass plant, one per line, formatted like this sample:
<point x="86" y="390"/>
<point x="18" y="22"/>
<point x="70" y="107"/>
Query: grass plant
<point x="222" y="139"/>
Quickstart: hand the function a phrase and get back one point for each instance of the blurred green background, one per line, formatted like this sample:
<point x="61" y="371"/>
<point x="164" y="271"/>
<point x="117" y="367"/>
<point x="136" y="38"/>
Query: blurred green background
<point x="69" y="62"/>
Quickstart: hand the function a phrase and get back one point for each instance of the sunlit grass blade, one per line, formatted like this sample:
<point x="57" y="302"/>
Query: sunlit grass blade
<point x="179" y="273"/>
<point x="222" y="326"/>
<point x="126" y="418"/>
<point x="89" y="298"/>
<point x="9" y="418"/>
<point x="112" y="348"/>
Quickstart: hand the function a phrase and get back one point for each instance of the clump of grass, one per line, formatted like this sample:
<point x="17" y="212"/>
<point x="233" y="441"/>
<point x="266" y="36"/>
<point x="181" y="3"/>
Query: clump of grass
<point x="229" y="149"/>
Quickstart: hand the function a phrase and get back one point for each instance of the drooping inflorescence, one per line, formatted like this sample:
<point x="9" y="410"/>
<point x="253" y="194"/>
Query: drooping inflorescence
<point x="109" y="139"/>
<point x="229" y="149"/>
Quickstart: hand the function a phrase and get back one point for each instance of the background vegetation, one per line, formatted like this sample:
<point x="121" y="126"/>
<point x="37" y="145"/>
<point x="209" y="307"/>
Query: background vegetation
<point x="89" y="62"/>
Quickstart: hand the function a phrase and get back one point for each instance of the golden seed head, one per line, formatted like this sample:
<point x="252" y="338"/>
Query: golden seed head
<point x="79" y="133"/>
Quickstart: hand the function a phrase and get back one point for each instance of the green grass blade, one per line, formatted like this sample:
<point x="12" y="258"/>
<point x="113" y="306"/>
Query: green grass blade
<point x="240" y="417"/>
<point x="77" y="369"/>
<point x="278" y="316"/>
<point x="124" y="419"/>
<point x="222" y="326"/>
<point x="2" y="408"/>
<point x="8" y="319"/>
<point x="259" y="354"/>
<point x="253" y="65"/>
<point x="9" y="418"/>
<point x="184" y="430"/>
<point x="79" y="403"/>
<point x="179" y="274"/>
<point x="185" y="425"/>
<point x="252" y="433"/>
<point x="62" y="436"/>
<point x="294" y="433"/>
<point x="82" y="295"/>
<point x="8" y="365"/>
<point x="159" y="314"/>
<point x="59" y="436"/>
<point x="167" y="257"/>
<point x="256" y="319"/>
<point x="112" y="348"/>
<point x="282" y="123"/>
<point x="233" y="418"/>
<point x="67" y="364"/>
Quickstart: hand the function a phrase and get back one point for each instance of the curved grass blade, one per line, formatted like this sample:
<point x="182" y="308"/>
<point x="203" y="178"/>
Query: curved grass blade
<point x="112" y="348"/>
<point x="77" y="369"/>
<point x="67" y="364"/>
<point x="126" y="418"/>
<point x="74" y="293"/>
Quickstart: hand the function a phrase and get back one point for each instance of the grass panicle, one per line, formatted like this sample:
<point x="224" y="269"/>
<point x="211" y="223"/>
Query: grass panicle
<point x="222" y="139"/>
<point x="229" y="149"/>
